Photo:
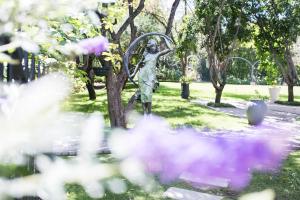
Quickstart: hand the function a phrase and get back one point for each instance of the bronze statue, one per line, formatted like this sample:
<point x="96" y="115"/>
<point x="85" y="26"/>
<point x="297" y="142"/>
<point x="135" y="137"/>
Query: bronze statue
<point x="147" y="73"/>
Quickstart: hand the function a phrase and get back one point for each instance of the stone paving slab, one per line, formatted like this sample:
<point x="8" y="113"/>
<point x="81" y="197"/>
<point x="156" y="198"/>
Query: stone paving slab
<point x="205" y="184"/>
<point x="183" y="194"/>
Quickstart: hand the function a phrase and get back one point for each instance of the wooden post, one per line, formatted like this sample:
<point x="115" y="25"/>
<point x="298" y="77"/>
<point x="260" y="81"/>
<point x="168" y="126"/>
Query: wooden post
<point x="26" y="70"/>
<point x="32" y="68"/>
<point x="39" y="69"/>
<point x="1" y="71"/>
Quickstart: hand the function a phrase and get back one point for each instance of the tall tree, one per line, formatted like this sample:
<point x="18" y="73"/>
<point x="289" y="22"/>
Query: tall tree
<point x="278" y="24"/>
<point x="223" y="24"/>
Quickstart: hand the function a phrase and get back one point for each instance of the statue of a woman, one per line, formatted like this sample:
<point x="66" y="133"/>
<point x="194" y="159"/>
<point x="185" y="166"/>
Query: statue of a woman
<point x="147" y="73"/>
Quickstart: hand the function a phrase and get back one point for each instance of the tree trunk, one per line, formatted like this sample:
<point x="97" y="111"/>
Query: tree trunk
<point x="90" y="84"/>
<point x="90" y="76"/>
<point x="172" y="16"/>
<point x="183" y="64"/>
<point x="91" y="90"/>
<point x="219" y="94"/>
<point x="1" y="72"/>
<point x="115" y="108"/>
<point x="290" y="93"/>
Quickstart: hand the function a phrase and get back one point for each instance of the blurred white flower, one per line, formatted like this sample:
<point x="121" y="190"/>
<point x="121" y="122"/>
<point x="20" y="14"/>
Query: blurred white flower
<point x="29" y="113"/>
<point x="29" y="17"/>
<point x="31" y="124"/>
<point x="263" y="195"/>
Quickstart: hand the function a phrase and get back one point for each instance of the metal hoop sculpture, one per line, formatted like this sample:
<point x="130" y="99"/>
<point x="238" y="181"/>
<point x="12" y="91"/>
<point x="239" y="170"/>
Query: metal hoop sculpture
<point x="131" y="48"/>
<point x="252" y="65"/>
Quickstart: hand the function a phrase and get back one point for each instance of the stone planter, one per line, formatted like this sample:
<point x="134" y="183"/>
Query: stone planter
<point x="256" y="111"/>
<point x="185" y="90"/>
<point x="274" y="94"/>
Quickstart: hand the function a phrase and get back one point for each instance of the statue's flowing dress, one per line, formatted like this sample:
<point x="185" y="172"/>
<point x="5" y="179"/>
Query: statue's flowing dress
<point x="147" y="77"/>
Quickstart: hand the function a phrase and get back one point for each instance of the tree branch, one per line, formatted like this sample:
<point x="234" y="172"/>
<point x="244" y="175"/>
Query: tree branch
<point x="127" y="22"/>
<point x="133" y="29"/>
<point x="157" y="18"/>
<point x="218" y="23"/>
<point x="171" y="17"/>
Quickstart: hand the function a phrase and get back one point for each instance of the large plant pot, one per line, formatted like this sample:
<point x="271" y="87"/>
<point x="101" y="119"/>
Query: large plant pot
<point x="256" y="111"/>
<point x="274" y="94"/>
<point x="185" y="90"/>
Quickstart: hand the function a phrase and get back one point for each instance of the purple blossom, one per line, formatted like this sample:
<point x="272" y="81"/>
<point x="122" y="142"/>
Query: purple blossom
<point x="94" y="45"/>
<point x="169" y="153"/>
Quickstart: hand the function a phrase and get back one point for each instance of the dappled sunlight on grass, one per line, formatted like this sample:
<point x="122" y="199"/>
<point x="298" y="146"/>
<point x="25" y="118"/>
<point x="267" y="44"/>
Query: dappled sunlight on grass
<point x="167" y="103"/>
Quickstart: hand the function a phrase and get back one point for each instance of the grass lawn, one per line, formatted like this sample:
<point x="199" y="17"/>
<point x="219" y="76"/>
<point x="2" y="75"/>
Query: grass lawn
<point x="168" y="104"/>
<point x="236" y="92"/>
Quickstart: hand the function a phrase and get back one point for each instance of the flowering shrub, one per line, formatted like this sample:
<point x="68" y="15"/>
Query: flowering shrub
<point x="94" y="45"/>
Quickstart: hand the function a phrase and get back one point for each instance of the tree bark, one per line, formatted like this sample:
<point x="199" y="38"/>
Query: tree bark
<point x="184" y="63"/>
<point x="219" y="94"/>
<point x="172" y="16"/>
<point x="290" y="93"/>
<point x="115" y="108"/>
<point x="90" y="76"/>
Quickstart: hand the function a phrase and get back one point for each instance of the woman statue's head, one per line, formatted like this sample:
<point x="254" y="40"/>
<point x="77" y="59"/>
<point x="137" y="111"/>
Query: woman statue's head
<point x="152" y="46"/>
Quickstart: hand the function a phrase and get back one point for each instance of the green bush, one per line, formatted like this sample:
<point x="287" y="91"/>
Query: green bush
<point x="234" y="80"/>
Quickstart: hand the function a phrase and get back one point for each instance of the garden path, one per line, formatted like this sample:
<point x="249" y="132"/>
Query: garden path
<point x="279" y="118"/>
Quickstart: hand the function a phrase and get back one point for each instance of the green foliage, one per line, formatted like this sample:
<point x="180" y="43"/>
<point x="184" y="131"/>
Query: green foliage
<point x="268" y="71"/>
<point x="168" y="74"/>
<point x="278" y="22"/>
<point x="203" y="70"/>
<point x="188" y="37"/>
<point x="185" y="79"/>
<point x="233" y="80"/>
<point x="240" y="70"/>
<point x="232" y="18"/>
<point x="258" y="96"/>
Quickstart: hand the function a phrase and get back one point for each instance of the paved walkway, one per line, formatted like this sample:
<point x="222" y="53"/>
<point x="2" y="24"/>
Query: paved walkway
<point x="275" y="111"/>
<point x="279" y="117"/>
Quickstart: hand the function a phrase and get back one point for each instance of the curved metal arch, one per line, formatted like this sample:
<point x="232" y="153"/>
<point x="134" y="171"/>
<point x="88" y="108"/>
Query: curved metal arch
<point x="132" y="46"/>
<point x="252" y="65"/>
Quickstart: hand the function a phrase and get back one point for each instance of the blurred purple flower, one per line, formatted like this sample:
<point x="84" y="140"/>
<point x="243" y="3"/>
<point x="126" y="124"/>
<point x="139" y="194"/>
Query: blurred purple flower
<point x="94" y="45"/>
<point x="170" y="153"/>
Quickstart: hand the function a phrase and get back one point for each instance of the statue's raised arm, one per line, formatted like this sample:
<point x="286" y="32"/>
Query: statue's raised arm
<point x="169" y="48"/>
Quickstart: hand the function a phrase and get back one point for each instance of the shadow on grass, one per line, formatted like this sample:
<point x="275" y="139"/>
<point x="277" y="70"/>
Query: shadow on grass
<point x="287" y="103"/>
<point x="167" y="103"/>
